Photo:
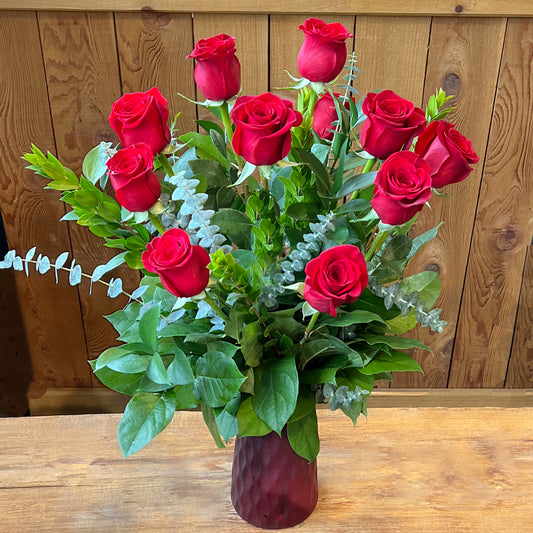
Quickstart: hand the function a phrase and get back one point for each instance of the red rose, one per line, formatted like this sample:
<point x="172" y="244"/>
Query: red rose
<point x="218" y="71"/>
<point x="448" y="153"/>
<point x="324" y="114"/>
<point x="131" y="172"/>
<point x="403" y="186"/>
<point x="263" y="127"/>
<point x="336" y="277"/>
<point x="391" y="124"/>
<point x="323" y="54"/>
<point x="181" y="266"/>
<point x="141" y="118"/>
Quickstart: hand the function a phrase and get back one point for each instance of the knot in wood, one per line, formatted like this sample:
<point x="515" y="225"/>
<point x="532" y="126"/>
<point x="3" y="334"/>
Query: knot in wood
<point x="508" y="239"/>
<point x="451" y="83"/>
<point x="459" y="8"/>
<point x="433" y="267"/>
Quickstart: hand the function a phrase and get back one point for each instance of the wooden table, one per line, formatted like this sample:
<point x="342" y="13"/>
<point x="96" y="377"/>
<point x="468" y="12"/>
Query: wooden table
<point x="402" y="470"/>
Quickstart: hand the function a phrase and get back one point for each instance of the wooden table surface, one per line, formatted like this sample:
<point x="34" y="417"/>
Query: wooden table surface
<point x="402" y="470"/>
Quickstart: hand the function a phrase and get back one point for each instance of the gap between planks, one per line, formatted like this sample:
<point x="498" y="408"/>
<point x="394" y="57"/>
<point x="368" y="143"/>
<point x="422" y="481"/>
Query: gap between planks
<point x="70" y="401"/>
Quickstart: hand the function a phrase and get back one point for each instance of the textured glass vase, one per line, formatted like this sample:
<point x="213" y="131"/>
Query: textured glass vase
<point x="271" y="486"/>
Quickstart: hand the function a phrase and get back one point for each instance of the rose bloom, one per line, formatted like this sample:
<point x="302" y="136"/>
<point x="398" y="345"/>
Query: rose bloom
<point x="448" y="153"/>
<point x="141" y="118"/>
<point x="337" y="276"/>
<point x="403" y="186"/>
<point x="324" y="114"/>
<point x="181" y="266"/>
<point x="391" y="124"/>
<point x="218" y="71"/>
<point x="131" y="172"/>
<point x="263" y="128"/>
<point x="323" y="54"/>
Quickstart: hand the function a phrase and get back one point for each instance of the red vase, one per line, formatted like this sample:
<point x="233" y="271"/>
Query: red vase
<point x="272" y="487"/>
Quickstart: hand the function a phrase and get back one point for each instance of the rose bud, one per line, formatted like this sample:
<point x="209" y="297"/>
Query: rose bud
<point x="181" y="266"/>
<point x="324" y="114"/>
<point x="131" y="172"/>
<point x="263" y="128"/>
<point x="402" y="187"/>
<point x="218" y="71"/>
<point x="391" y="124"/>
<point x="448" y="153"/>
<point x="141" y="118"/>
<point x="323" y="54"/>
<point x="337" y="276"/>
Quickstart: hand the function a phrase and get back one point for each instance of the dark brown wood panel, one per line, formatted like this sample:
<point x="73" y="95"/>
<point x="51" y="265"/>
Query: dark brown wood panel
<point x="50" y="314"/>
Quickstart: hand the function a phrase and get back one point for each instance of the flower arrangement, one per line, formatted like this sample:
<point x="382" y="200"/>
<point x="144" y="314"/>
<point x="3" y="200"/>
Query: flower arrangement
<point x="273" y="245"/>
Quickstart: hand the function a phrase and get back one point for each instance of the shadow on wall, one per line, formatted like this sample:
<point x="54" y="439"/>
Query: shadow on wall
<point x="15" y="362"/>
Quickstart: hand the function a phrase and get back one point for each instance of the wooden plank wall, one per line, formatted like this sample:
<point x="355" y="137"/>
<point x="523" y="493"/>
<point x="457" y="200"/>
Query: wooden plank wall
<point x="62" y="70"/>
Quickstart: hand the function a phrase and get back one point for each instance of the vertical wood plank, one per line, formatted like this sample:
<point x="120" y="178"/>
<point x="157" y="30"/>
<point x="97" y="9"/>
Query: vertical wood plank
<point x="251" y="41"/>
<point x="504" y="224"/>
<point x="81" y="64"/>
<point x="464" y="58"/>
<point x="520" y="371"/>
<point x="392" y="53"/>
<point x="50" y="314"/>
<point x="152" y="50"/>
<point x="286" y="40"/>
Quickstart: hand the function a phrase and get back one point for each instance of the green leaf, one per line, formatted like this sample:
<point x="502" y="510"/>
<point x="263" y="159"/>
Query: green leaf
<point x="398" y="343"/>
<point x="185" y="397"/>
<point x="156" y="370"/>
<point x="213" y="172"/>
<point x="251" y="344"/>
<point x="235" y="225"/>
<point x="148" y="326"/>
<point x="179" y="372"/>
<point x="217" y="379"/>
<point x="303" y="211"/>
<point x="227" y="419"/>
<point x="181" y="329"/>
<point x="353" y="377"/>
<point x="225" y="347"/>
<point x="329" y="345"/>
<point x="123" y="383"/>
<point x="303" y="436"/>
<point x="395" y="361"/>
<point x="130" y="364"/>
<point x="353" y="206"/>
<point x="146" y="415"/>
<point x="419" y="241"/>
<point x="246" y="171"/>
<point x="315" y="376"/>
<point x="355" y="183"/>
<point x="250" y="425"/>
<point x="205" y="148"/>
<point x="323" y="178"/>
<point x="278" y="391"/>
<point x="353" y="317"/>
<point x="304" y="405"/>
<point x="210" y="422"/>
<point x="94" y="164"/>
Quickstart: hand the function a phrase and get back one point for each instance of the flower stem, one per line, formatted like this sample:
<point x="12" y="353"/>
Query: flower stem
<point x="312" y="102"/>
<point x="265" y="170"/>
<point x="367" y="168"/>
<point x="311" y="325"/>
<point x="380" y="238"/>
<point x="224" y="113"/>
<point x="215" y="307"/>
<point x="156" y="222"/>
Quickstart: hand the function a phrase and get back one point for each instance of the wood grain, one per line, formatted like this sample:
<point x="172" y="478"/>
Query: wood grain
<point x="464" y="58"/>
<point x="392" y="54"/>
<point x="511" y="8"/>
<point x="79" y="52"/>
<point x="460" y="470"/>
<point x="31" y="217"/>
<point x="100" y="400"/>
<point x="520" y="371"/>
<point x="152" y="50"/>
<point x="504" y="224"/>
<point x="285" y="43"/>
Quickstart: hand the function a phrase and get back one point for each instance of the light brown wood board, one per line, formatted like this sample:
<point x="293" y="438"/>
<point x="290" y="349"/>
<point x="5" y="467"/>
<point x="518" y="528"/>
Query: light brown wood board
<point x="504" y="224"/>
<point x="464" y="60"/>
<point x="460" y="470"/>
<point x="520" y="371"/>
<point x="511" y="8"/>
